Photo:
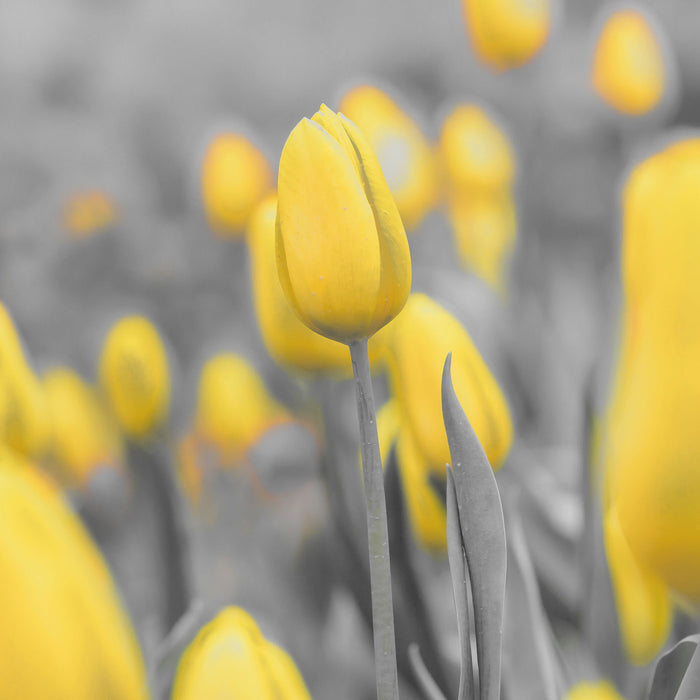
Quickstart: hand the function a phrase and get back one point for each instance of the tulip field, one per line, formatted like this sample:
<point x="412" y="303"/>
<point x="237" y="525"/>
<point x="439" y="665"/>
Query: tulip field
<point x="350" y="351"/>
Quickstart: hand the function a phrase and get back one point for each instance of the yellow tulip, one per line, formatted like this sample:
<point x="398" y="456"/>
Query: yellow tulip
<point x="475" y="152"/>
<point x="230" y="658"/>
<point x="88" y="212"/>
<point x="289" y="341"/>
<point x="403" y="152"/>
<point x="64" y="632"/>
<point x="507" y="33"/>
<point x="417" y="344"/>
<point x="342" y="253"/>
<point x="234" y="408"/>
<point x="83" y="436"/>
<point x="235" y="176"/>
<point x="629" y="71"/>
<point x="135" y="377"/>
<point x="597" y="690"/>
<point x="484" y="229"/>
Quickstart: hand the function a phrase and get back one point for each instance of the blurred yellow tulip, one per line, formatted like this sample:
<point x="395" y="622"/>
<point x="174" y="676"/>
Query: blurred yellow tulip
<point x="507" y="33"/>
<point x="342" y="253"/>
<point x="418" y="342"/>
<point x="289" y="341"/>
<point x="84" y="437"/>
<point x="233" y="407"/>
<point x="475" y="152"/>
<point x="629" y="71"/>
<point x="235" y="176"/>
<point x="484" y="229"/>
<point x="88" y="212"/>
<point x="64" y="632"/>
<point x="593" y="690"/>
<point x="135" y="377"/>
<point x="403" y="152"/>
<point x="230" y="658"/>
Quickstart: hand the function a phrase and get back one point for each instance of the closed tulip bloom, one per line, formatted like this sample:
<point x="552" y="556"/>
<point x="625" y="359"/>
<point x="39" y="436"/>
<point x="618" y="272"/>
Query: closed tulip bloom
<point x="230" y="658"/>
<point x="403" y="152"/>
<point x="288" y="340"/>
<point x="342" y="253"/>
<point x="88" y="212"/>
<point x="417" y="344"/>
<point x="235" y="177"/>
<point x="507" y="33"/>
<point x="65" y="633"/>
<point x="135" y="377"/>
<point x="84" y="438"/>
<point x="593" y="690"/>
<point x="475" y="152"/>
<point x="629" y="70"/>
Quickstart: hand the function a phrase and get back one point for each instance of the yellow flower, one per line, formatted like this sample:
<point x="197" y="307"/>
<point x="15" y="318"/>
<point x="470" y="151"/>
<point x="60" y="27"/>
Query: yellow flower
<point x="135" y="377"/>
<point x="88" y="212"/>
<point x="475" y="153"/>
<point x="230" y="658"/>
<point x="64" y="632"/>
<point x="598" y="690"/>
<point x="484" y="230"/>
<point x="343" y="257"/>
<point x="629" y="70"/>
<point x="289" y="341"/>
<point x="507" y="33"/>
<point x="235" y="177"/>
<point x="417" y="344"/>
<point x="233" y="406"/>
<point x="83" y="436"/>
<point x="403" y="152"/>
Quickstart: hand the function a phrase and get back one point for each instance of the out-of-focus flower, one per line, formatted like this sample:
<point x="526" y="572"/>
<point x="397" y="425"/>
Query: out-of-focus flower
<point x="593" y="690"/>
<point x="230" y="658"/>
<point x="88" y="212"/>
<point x="629" y="70"/>
<point x="135" y="377"/>
<point x="84" y="438"/>
<point x="342" y="253"/>
<point x="233" y="406"/>
<point x="507" y="33"/>
<point x="235" y="176"/>
<point x="403" y="152"/>
<point x="417" y="344"/>
<point x="64" y="632"/>
<point x="650" y="449"/>
<point x="289" y="341"/>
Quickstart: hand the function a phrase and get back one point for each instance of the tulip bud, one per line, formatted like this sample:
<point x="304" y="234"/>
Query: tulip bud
<point x="289" y="341"/>
<point x="598" y="690"/>
<point x="417" y="344"/>
<point x="233" y="407"/>
<point x="88" y="212"/>
<point x="342" y="253"/>
<point x="64" y="632"/>
<point x="230" y="658"/>
<point x="629" y="70"/>
<point x="403" y="152"/>
<point x="135" y="377"/>
<point x="84" y="438"/>
<point x="235" y="177"/>
<point x="507" y="33"/>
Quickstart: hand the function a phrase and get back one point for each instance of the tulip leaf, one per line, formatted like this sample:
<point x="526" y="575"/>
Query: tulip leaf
<point x="677" y="672"/>
<point x="425" y="681"/>
<point x="483" y="536"/>
<point x="460" y="588"/>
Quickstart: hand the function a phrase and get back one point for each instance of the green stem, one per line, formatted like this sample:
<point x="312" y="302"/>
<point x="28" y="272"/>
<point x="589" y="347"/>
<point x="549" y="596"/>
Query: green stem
<point x="377" y="531"/>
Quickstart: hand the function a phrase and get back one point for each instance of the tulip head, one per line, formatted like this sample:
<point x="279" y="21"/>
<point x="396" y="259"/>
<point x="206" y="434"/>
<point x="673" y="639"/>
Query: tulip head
<point x="230" y="658"/>
<point x="475" y="153"/>
<point x="65" y="633"/>
<point x="593" y="690"/>
<point x="629" y="71"/>
<point x="134" y="376"/>
<point x="235" y="177"/>
<point x="88" y="212"/>
<point x="403" y="152"/>
<point x="417" y="344"/>
<point x="342" y="253"/>
<point x="507" y="33"/>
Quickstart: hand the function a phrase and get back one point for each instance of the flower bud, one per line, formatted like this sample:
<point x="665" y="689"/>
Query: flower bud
<point x="342" y="253"/>
<point x="597" y="690"/>
<point x="88" y="212"/>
